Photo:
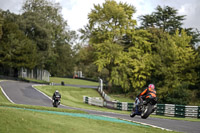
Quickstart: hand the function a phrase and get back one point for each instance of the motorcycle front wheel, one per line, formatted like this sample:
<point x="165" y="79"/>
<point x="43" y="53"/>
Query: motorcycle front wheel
<point x="55" y="104"/>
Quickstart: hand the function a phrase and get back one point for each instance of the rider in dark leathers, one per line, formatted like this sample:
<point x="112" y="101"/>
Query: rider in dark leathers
<point x="56" y="93"/>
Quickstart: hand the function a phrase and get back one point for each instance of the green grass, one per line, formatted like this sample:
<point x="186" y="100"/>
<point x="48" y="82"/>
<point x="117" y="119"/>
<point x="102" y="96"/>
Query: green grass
<point x="121" y="98"/>
<point x="23" y="121"/>
<point x="2" y="97"/>
<point x="73" y="81"/>
<point x="73" y="96"/>
<point x="3" y="104"/>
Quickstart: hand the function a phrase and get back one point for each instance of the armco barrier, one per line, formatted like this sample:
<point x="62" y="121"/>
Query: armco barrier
<point x="162" y="109"/>
<point x="179" y="110"/>
<point x="85" y="99"/>
<point x="130" y="106"/>
<point x="119" y="106"/>
<point x="110" y="104"/>
<point x="169" y="110"/>
<point x="191" y="111"/>
<point x="93" y="101"/>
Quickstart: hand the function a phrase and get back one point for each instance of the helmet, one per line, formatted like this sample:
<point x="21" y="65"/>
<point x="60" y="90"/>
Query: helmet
<point x="151" y="86"/>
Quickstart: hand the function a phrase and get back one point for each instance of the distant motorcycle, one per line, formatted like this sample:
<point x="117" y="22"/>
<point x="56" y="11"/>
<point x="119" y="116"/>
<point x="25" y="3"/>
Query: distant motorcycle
<point x="56" y="101"/>
<point x="145" y="108"/>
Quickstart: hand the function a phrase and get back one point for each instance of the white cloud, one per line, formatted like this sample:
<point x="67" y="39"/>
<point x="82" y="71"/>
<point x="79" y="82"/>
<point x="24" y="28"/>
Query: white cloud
<point x="192" y="12"/>
<point x="12" y="5"/>
<point x="76" y="16"/>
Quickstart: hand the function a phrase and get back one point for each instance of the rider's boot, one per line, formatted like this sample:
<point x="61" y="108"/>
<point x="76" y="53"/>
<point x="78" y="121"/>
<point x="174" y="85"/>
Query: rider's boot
<point x="132" y="114"/>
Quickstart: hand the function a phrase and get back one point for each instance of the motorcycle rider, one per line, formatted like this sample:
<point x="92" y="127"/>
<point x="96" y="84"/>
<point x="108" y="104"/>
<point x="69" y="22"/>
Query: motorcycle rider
<point x="56" y="94"/>
<point x="148" y="94"/>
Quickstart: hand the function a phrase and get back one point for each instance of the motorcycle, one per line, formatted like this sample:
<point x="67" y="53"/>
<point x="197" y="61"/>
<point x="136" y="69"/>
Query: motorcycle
<point x="143" y="108"/>
<point x="56" y="102"/>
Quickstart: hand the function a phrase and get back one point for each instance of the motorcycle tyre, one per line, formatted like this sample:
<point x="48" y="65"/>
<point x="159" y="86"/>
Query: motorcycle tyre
<point x="55" y="104"/>
<point x="146" y="114"/>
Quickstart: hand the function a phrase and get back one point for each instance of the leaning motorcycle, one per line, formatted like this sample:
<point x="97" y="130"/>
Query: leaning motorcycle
<point x="56" y="101"/>
<point x="144" y="108"/>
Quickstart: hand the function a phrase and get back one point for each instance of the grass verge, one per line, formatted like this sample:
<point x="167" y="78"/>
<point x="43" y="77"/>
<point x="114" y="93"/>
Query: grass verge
<point x="73" y="81"/>
<point x="23" y="121"/>
<point x="2" y="97"/>
<point x="3" y="104"/>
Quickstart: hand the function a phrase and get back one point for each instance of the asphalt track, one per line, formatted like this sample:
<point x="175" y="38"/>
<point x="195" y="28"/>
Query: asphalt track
<point x="23" y="93"/>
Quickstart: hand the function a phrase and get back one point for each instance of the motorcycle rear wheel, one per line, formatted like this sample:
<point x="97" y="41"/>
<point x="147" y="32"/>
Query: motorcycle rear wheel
<point x="147" y="111"/>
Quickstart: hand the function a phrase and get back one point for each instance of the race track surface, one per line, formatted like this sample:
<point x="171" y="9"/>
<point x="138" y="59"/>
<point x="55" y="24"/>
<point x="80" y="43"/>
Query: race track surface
<point x="23" y="93"/>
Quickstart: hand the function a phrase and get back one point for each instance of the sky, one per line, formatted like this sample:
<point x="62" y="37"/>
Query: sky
<point x="75" y="12"/>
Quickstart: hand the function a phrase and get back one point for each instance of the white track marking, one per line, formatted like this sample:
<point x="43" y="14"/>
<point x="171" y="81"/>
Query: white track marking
<point x="6" y="95"/>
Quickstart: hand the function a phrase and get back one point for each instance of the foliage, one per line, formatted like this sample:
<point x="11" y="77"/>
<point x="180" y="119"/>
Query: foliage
<point x="168" y="20"/>
<point x="165" y="18"/>
<point x="43" y="23"/>
<point x="175" y="63"/>
<point x="16" y="50"/>
<point x="1" y="23"/>
<point x="84" y="61"/>
<point x="39" y="29"/>
<point x="109" y="26"/>
<point x="195" y="33"/>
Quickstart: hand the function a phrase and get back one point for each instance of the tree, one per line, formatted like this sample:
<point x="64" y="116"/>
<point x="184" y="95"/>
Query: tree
<point x="119" y="48"/>
<point x="195" y="33"/>
<point x="107" y="25"/>
<point x="1" y="23"/>
<point x="175" y="63"/>
<point x="168" y="20"/>
<point x="43" y="23"/>
<point x="16" y="50"/>
<point x="110" y="21"/>
<point x="165" y="18"/>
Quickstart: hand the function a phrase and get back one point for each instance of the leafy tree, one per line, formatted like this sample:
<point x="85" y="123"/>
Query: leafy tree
<point x="195" y="33"/>
<point x="43" y="23"/>
<point x="16" y="50"/>
<point x="165" y="18"/>
<point x="168" y="20"/>
<point x="1" y="23"/>
<point x="119" y="48"/>
<point x="107" y="25"/>
<point x="110" y="21"/>
<point x="175" y="63"/>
